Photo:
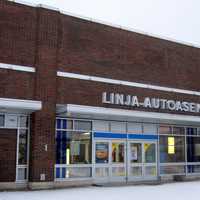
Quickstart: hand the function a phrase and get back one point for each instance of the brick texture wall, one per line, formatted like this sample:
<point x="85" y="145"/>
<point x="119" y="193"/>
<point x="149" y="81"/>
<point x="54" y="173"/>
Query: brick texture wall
<point x="43" y="126"/>
<point x="18" y="33"/>
<point x="8" y="142"/>
<point x="96" y="49"/>
<point x="17" y="46"/>
<point x="14" y="84"/>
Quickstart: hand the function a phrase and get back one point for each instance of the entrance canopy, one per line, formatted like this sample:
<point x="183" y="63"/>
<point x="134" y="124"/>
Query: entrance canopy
<point x="19" y="105"/>
<point x="81" y="111"/>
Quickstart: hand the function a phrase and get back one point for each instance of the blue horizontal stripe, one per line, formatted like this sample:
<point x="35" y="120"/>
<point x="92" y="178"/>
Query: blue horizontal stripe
<point x="142" y="137"/>
<point x="110" y="135"/>
<point x="124" y="136"/>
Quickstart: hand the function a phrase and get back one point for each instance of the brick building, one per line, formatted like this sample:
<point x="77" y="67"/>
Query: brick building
<point x="83" y="102"/>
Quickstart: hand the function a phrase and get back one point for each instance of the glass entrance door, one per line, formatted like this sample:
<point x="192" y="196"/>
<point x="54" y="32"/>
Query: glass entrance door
<point x="110" y="160"/>
<point x="135" y="166"/>
<point x="102" y="160"/>
<point x="118" y="160"/>
<point x="142" y="160"/>
<point x="113" y="162"/>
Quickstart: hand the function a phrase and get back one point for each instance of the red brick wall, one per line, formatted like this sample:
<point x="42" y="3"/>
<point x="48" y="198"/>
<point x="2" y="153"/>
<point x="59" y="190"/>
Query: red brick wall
<point x="96" y="49"/>
<point x="43" y="124"/>
<point x="18" y="33"/>
<point x="8" y="143"/>
<point x="17" y="46"/>
<point x="99" y="50"/>
<point x="15" y="84"/>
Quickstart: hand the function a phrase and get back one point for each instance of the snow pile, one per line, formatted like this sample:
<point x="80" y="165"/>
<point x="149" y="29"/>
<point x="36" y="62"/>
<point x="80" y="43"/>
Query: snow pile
<point x="174" y="191"/>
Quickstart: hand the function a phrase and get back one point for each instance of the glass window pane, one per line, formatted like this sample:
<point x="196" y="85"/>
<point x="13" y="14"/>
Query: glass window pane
<point x="172" y="169"/>
<point x="178" y="130"/>
<point x="22" y="154"/>
<point x="73" y="147"/>
<point x="150" y="153"/>
<point x="11" y="121"/>
<point x="58" y="172"/>
<point x="136" y="171"/>
<point x="63" y="172"/>
<point x="118" y="127"/>
<point x="101" y="172"/>
<point x="165" y="130"/>
<point x="136" y="153"/>
<point x="78" y="172"/>
<point x="101" y="152"/>
<point x="117" y="152"/>
<point x="101" y="125"/>
<point x="150" y="171"/>
<point x="78" y="150"/>
<point x="134" y="128"/>
<point x="61" y="145"/>
<point x="83" y="125"/>
<point x="191" y="131"/>
<point x="193" y="168"/>
<point x="118" y="171"/>
<point x="150" y="129"/>
<point x="58" y="124"/>
<point x="24" y="121"/>
<point x="68" y="124"/>
<point x="64" y="124"/>
<point x="170" y="152"/>
<point x="193" y="149"/>
<point x="2" y="120"/>
<point x="21" y="174"/>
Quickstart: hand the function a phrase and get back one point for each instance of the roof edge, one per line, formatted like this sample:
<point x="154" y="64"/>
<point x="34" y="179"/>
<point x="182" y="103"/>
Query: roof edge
<point x="107" y="23"/>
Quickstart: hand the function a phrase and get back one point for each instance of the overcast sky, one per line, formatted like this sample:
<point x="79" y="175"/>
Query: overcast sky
<point x="176" y="19"/>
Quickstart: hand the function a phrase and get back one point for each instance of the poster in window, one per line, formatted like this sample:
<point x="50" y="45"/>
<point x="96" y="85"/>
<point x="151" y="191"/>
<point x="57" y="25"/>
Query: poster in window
<point x="101" y="153"/>
<point x="134" y="153"/>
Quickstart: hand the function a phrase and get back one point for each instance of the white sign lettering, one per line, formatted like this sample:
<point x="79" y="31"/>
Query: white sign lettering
<point x="155" y="103"/>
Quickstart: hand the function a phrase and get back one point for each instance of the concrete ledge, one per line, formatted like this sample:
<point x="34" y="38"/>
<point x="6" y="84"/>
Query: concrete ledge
<point x="187" y="178"/>
<point x="80" y="183"/>
<point x="166" y="179"/>
<point x="59" y="184"/>
<point x="90" y="182"/>
<point x="40" y="185"/>
<point x="116" y="184"/>
<point x="12" y="186"/>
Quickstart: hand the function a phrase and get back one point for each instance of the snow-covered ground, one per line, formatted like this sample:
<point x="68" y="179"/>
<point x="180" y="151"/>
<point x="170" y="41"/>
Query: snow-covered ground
<point x="173" y="191"/>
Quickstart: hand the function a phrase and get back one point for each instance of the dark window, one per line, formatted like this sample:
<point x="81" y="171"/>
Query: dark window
<point x="191" y="131"/>
<point x="2" y="120"/>
<point x="22" y="156"/>
<point x="178" y="130"/>
<point x="64" y="124"/>
<point x="165" y="130"/>
<point x="193" y="149"/>
<point x="83" y="125"/>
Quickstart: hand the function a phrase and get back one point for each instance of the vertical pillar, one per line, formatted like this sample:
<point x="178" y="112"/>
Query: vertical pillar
<point x="42" y="137"/>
